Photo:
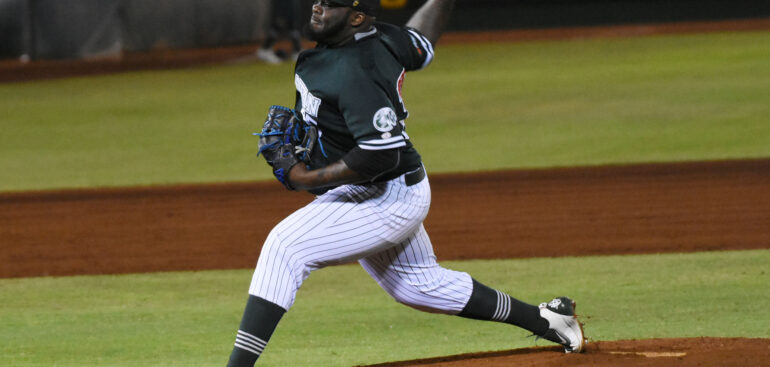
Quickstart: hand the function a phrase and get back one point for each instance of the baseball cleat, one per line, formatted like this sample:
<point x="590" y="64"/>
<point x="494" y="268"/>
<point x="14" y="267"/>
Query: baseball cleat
<point x="563" y="326"/>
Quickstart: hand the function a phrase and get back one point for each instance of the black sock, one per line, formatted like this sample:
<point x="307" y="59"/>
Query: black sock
<point x="257" y="325"/>
<point x="489" y="304"/>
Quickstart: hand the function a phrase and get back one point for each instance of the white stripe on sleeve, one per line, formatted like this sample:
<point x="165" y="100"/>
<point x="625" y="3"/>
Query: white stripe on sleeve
<point x="379" y="144"/>
<point x="426" y="45"/>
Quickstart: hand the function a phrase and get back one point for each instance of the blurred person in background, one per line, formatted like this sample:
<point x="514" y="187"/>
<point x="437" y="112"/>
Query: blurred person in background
<point x="284" y="23"/>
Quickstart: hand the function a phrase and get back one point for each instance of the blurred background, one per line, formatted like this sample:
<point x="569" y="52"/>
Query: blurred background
<point x="84" y="29"/>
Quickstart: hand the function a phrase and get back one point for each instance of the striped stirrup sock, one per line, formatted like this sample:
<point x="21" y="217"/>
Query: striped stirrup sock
<point x="257" y="325"/>
<point x="249" y="342"/>
<point x="489" y="304"/>
<point x="503" y="309"/>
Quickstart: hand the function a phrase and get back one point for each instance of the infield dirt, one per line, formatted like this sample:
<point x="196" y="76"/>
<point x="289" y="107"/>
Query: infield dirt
<point x="634" y="209"/>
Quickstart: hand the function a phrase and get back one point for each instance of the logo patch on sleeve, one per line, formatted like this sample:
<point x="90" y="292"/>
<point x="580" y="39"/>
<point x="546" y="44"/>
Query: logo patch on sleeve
<point x="385" y="119"/>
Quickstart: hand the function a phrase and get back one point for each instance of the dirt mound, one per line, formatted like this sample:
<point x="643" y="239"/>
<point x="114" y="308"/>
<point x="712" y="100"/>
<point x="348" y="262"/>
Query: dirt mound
<point x="702" y="352"/>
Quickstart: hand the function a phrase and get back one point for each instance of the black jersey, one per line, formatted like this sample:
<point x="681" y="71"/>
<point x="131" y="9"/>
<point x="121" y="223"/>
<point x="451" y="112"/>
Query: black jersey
<point x="353" y="93"/>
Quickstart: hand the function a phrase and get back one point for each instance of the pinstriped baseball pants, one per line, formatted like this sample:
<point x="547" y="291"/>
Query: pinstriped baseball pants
<point x="378" y="225"/>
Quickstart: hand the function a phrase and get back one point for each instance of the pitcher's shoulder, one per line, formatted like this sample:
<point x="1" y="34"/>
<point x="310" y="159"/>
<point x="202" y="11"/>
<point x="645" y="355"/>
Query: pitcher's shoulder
<point x="411" y="48"/>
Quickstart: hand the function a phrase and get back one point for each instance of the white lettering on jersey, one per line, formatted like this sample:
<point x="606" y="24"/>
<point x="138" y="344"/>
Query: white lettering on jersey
<point x="310" y="103"/>
<point x="385" y="119"/>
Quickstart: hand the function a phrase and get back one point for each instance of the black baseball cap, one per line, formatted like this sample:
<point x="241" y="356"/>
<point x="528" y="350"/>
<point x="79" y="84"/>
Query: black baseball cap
<point x="368" y="7"/>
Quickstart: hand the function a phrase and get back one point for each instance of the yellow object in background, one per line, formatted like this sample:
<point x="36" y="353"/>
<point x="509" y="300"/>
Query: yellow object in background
<point x="392" y="4"/>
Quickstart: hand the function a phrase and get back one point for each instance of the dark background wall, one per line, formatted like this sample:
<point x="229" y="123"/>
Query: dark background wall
<point x="55" y="29"/>
<point x="12" y="27"/>
<point x="512" y="14"/>
<point x="51" y="29"/>
<point x="63" y="30"/>
<point x="149" y="24"/>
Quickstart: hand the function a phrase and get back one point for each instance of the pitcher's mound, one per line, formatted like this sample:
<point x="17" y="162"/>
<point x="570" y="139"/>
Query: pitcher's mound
<point x="650" y="352"/>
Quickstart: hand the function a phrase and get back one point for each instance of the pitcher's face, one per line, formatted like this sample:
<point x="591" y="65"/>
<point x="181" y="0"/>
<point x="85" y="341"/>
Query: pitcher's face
<point x="328" y="21"/>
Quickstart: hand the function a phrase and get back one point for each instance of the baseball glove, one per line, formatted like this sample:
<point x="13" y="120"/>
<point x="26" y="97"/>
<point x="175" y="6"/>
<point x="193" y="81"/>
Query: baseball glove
<point x="285" y="140"/>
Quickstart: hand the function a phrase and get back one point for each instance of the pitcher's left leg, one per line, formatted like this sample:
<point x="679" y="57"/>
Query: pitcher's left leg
<point x="410" y="274"/>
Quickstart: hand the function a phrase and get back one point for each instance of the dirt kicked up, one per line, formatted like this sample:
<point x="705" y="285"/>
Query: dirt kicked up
<point x="699" y="206"/>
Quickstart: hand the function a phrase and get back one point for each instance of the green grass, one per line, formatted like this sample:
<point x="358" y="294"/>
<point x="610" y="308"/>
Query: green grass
<point x="342" y="318"/>
<point x="478" y="107"/>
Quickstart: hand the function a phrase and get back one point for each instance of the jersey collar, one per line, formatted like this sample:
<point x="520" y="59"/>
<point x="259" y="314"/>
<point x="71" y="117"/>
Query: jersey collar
<point x="363" y="35"/>
<point x="356" y="37"/>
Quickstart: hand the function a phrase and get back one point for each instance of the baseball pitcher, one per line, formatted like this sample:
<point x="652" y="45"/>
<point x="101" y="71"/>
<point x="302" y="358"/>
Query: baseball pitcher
<point x="345" y="141"/>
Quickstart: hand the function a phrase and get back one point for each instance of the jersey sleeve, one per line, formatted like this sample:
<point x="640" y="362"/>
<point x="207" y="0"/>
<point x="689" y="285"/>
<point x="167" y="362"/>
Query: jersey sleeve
<point x="412" y="49"/>
<point x="370" y="116"/>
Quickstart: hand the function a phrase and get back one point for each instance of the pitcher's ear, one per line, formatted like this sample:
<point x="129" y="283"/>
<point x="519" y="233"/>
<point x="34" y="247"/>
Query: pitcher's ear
<point x="358" y="19"/>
